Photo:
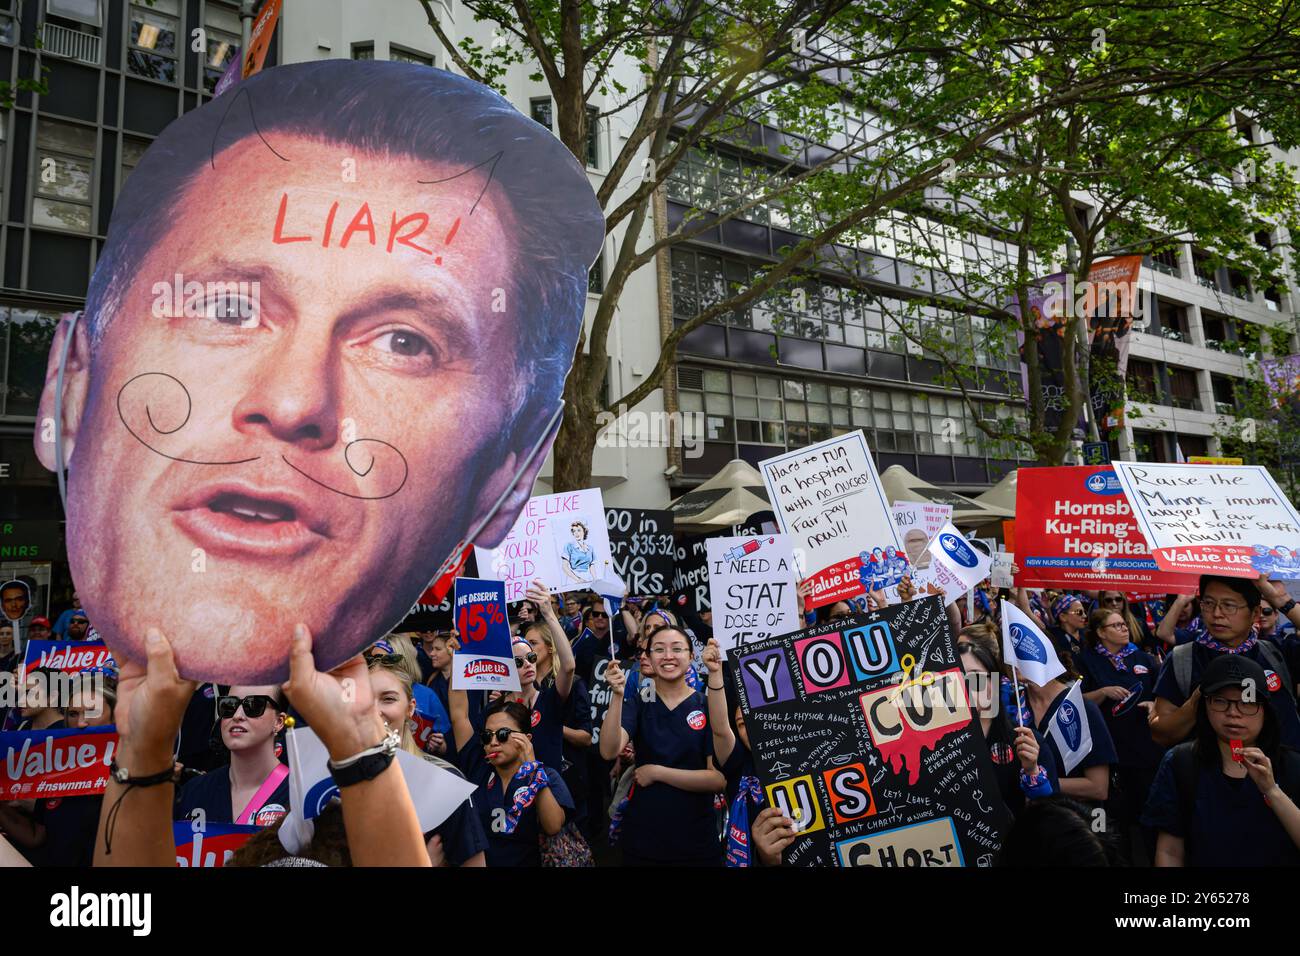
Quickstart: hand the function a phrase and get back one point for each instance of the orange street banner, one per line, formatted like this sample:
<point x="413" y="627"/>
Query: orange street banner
<point x="259" y="38"/>
<point x="1211" y="460"/>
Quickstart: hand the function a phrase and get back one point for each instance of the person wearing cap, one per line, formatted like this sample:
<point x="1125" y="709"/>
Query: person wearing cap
<point x="1228" y="611"/>
<point x="39" y="629"/>
<point x="1228" y="796"/>
<point x="61" y="622"/>
<point x="78" y="626"/>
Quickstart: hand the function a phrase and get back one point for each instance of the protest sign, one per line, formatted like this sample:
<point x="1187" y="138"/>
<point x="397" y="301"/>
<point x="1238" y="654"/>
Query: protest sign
<point x="560" y="539"/>
<point x="862" y="732"/>
<point x="1225" y="520"/>
<point x="956" y="565"/>
<point x="1075" y="529"/>
<point x="752" y="589"/>
<point x="216" y="531"/>
<point x="429" y="717"/>
<point x="67" y="657"/>
<point x="691" y="572"/>
<point x="917" y="522"/>
<point x="48" y="763"/>
<point x="211" y="845"/>
<point x="484" y="660"/>
<point x="641" y="548"/>
<point x="1000" y="573"/>
<point x="602" y="694"/>
<point x="828" y="498"/>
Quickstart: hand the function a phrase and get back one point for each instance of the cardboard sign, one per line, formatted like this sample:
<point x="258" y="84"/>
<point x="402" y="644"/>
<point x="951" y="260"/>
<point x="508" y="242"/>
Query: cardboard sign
<point x="862" y="732"/>
<point x="561" y="539"/>
<point x="918" y="522"/>
<point x="1227" y="520"/>
<point x="752" y="589"/>
<point x="1000" y="573"/>
<point x="828" y="498"/>
<point x="602" y="694"/>
<point x="211" y="846"/>
<point x="1075" y="529"/>
<point x="641" y="545"/>
<point x="67" y="657"/>
<point x="239" y="500"/>
<point x="49" y="763"/>
<point x="691" y="572"/>
<point x="484" y="660"/>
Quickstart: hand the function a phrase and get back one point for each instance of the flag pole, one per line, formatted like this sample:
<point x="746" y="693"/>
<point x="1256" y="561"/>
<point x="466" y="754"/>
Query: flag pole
<point x="1015" y="679"/>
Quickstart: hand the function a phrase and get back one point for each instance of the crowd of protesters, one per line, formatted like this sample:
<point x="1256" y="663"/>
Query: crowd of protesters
<point x="1190" y="702"/>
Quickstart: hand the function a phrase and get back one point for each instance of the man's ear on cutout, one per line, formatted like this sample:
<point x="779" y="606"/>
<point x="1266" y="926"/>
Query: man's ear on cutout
<point x="518" y="494"/>
<point x="76" y="384"/>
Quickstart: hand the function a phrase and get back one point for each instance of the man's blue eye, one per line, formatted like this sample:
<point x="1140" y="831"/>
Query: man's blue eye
<point x="404" y="343"/>
<point x="235" y="311"/>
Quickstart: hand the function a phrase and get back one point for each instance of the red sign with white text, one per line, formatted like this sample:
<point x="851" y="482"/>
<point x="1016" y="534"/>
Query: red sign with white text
<point x="1075" y="529"/>
<point x="56" y="763"/>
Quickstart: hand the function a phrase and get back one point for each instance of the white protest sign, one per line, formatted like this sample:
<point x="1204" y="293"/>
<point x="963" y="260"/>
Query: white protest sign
<point x="1225" y="519"/>
<point x="917" y="522"/>
<point x="955" y="567"/>
<point x="561" y="539"/>
<point x="1000" y="573"/>
<point x="828" y="498"/>
<point x="752" y="589"/>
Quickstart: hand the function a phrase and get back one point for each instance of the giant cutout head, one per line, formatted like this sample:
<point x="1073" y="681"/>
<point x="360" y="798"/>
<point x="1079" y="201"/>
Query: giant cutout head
<point x="323" y="347"/>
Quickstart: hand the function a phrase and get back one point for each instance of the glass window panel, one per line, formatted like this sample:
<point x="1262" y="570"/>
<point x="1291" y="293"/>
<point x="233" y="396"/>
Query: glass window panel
<point x="906" y="442"/>
<point x="83" y="11"/>
<point x="60" y="215"/>
<point x="71" y="179"/>
<point x="691" y="401"/>
<point x="855" y="336"/>
<point x="743" y="384"/>
<point x="65" y="138"/>
<point x="152" y="31"/>
<point x="793" y="389"/>
<point x="716" y="404"/>
<point x="885" y="441"/>
<point x="716" y="382"/>
<point x="833" y="333"/>
<point x="918" y="403"/>
<point x="774" y="433"/>
<point x="769" y="388"/>
<point x="816" y="392"/>
<point x="819" y="413"/>
<point x="796" y="436"/>
<point x="747" y="407"/>
<point x="883" y="420"/>
<point x="719" y="428"/>
<point x="151" y="66"/>
<point x="795" y="412"/>
<point x="862" y="417"/>
<point x="902" y="421"/>
<point x="770" y="408"/>
<point x="819" y="432"/>
<point x="924" y="442"/>
<point x="876" y="340"/>
<point x="858" y="396"/>
<point x="747" y="431"/>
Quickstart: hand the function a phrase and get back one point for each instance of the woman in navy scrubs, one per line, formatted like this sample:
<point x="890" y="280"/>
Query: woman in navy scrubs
<point x="1228" y="796"/>
<point x="1023" y="764"/>
<point x="1120" y="678"/>
<point x="1090" y="779"/>
<point x="745" y="799"/>
<point x="669" y="819"/>
<point x="518" y="798"/>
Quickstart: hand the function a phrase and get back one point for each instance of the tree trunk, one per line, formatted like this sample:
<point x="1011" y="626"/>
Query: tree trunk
<point x="576" y="442"/>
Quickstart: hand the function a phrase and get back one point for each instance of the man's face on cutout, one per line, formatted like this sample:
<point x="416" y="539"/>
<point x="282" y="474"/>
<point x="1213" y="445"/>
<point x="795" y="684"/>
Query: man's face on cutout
<point x="14" y="601"/>
<point x="249" y="509"/>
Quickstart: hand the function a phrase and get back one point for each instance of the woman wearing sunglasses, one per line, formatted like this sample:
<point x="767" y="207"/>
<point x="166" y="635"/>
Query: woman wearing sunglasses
<point x="667" y="818"/>
<point x="1227" y="797"/>
<point x="519" y="799"/>
<point x="254" y="787"/>
<point x="458" y="840"/>
<point x="1071" y="620"/>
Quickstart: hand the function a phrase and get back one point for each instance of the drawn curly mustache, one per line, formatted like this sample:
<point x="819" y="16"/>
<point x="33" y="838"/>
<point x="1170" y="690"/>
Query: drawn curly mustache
<point x="189" y="407"/>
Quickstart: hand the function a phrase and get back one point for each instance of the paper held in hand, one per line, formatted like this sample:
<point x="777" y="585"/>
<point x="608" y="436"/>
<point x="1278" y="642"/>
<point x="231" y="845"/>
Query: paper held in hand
<point x="1213" y="520"/>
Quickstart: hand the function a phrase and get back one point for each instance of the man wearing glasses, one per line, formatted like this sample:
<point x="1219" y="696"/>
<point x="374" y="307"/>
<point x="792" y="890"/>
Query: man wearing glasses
<point x="1229" y="608"/>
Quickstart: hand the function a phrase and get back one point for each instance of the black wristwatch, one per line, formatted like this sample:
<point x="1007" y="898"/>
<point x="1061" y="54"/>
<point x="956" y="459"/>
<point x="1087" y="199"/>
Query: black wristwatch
<point x="1285" y="609"/>
<point x="366" y="765"/>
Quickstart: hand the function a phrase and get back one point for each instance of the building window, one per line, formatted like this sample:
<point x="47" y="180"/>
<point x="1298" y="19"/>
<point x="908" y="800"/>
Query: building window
<point x="72" y="29"/>
<point x="1183" y="389"/>
<point x="1174" y="323"/>
<point x="363" y="51"/>
<point x="65" y="165"/>
<point x="1225" y="396"/>
<point x="132" y="149"/>
<point x="399" y="55"/>
<point x="1166" y="261"/>
<point x="83" y="11"/>
<point x="7" y="31"/>
<point x="542" y="111"/>
<point x="1142" y="386"/>
<point x="221" y="24"/>
<point x="151" y="44"/>
<point x="596" y="277"/>
<point x="25" y="337"/>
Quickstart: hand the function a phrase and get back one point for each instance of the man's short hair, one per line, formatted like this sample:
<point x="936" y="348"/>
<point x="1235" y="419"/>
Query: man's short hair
<point x="1243" y="586"/>
<point x="404" y="109"/>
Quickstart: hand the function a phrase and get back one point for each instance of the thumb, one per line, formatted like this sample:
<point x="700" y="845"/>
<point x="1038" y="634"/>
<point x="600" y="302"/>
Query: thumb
<point x="301" y="663"/>
<point x="160" y="664"/>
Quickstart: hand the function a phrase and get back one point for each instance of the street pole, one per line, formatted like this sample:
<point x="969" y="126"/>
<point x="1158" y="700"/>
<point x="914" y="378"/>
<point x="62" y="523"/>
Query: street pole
<point x="247" y="10"/>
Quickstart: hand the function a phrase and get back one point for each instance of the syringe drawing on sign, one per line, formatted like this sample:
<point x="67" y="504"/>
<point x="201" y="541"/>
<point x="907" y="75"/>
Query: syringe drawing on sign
<point x="749" y="547"/>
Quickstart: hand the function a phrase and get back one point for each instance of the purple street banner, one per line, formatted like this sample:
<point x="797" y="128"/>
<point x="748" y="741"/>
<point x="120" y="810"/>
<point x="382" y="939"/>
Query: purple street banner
<point x="211" y="846"/>
<point x="484" y="660"/>
<point x="67" y="657"/>
<point x="47" y="763"/>
<point x="372" y="181"/>
<point x="863" y="734"/>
